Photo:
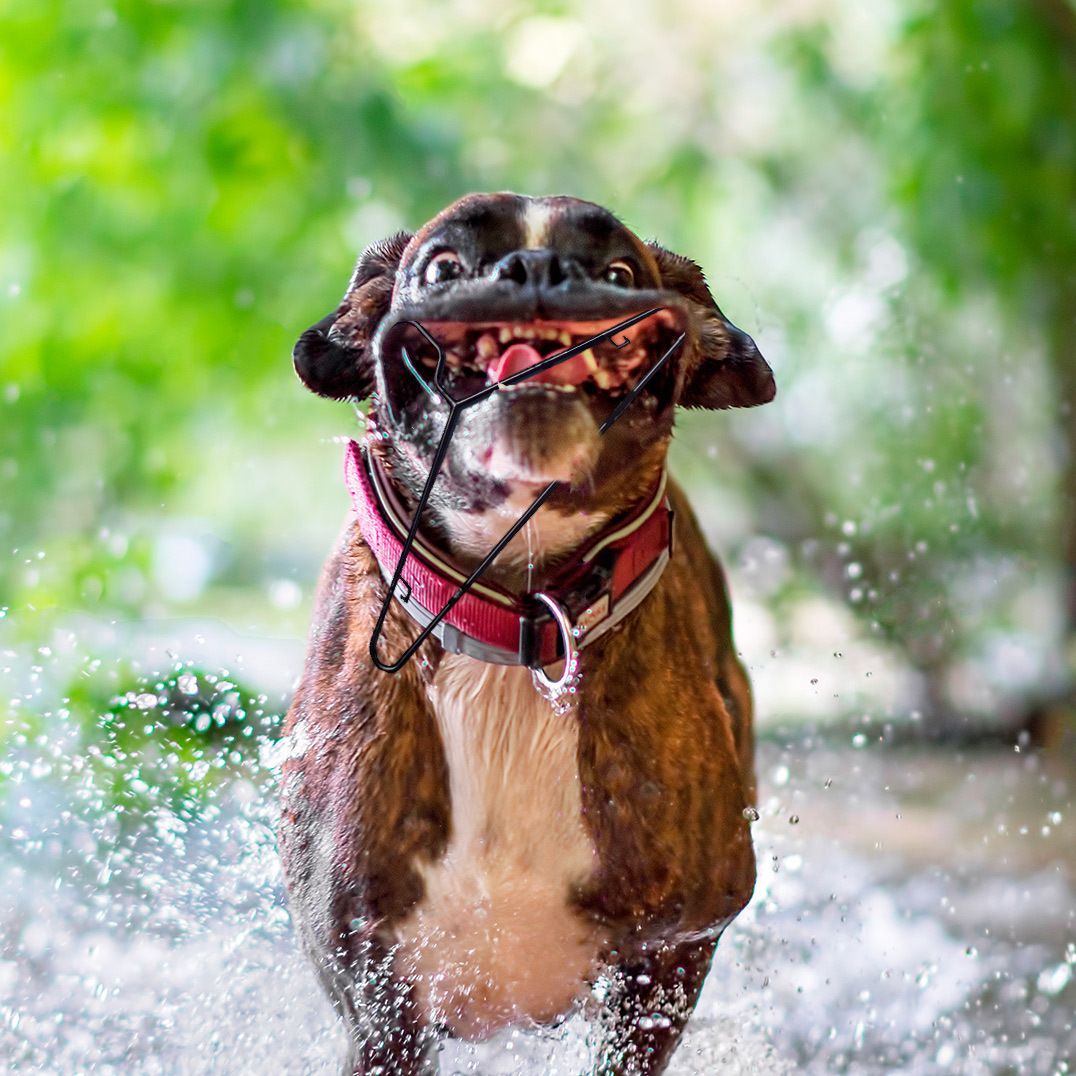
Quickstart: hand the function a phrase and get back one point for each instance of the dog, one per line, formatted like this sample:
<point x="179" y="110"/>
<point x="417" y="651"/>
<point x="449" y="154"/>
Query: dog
<point x="470" y="843"/>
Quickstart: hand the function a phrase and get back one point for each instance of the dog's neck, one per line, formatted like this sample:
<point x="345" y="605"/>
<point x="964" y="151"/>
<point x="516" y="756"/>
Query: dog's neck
<point x="546" y="543"/>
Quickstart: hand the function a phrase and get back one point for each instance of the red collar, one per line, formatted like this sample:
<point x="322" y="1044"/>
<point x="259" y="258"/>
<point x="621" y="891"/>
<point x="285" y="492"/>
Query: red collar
<point x="608" y="576"/>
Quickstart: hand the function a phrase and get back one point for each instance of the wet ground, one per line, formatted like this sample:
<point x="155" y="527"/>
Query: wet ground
<point x="915" y="914"/>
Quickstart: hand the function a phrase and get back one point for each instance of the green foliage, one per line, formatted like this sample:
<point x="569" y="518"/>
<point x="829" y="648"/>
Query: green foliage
<point x="127" y="743"/>
<point x="988" y="143"/>
<point x="177" y="180"/>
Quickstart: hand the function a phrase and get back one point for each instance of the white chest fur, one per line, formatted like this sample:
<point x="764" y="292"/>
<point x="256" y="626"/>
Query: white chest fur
<point x="495" y="940"/>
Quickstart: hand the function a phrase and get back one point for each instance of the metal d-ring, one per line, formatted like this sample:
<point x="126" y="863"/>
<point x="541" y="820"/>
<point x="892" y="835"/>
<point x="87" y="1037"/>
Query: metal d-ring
<point x="571" y="652"/>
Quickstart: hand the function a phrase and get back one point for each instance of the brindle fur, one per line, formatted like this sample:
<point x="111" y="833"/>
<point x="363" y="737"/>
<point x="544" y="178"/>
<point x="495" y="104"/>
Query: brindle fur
<point x="665" y="759"/>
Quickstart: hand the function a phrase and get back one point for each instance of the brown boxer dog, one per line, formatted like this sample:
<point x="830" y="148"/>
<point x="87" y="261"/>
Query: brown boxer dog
<point x="471" y="843"/>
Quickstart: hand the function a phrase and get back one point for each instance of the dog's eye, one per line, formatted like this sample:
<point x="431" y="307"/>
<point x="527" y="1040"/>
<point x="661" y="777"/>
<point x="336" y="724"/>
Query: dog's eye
<point x="445" y="266"/>
<point x="620" y="274"/>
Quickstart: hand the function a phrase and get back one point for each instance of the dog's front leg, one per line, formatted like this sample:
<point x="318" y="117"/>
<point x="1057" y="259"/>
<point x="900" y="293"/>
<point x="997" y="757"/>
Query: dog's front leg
<point x="385" y="1036"/>
<point x="647" y="1007"/>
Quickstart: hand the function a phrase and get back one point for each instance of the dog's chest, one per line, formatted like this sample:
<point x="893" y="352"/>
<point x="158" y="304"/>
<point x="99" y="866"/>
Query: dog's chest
<point x="495" y="939"/>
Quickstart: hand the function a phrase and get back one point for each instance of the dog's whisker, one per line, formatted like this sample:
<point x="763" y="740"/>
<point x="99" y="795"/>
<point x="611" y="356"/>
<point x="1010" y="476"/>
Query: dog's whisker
<point x="529" y="536"/>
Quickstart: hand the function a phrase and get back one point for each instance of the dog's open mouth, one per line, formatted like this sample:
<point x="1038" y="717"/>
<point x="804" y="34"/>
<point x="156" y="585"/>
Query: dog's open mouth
<point x="478" y="354"/>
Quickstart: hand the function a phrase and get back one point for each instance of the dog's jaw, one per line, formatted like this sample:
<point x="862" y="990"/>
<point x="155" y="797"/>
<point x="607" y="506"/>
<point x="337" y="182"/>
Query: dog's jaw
<point x="535" y="430"/>
<point x="530" y="437"/>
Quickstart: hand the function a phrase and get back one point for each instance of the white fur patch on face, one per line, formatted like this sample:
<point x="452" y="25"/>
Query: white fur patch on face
<point x="528" y="442"/>
<point x="537" y="219"/>
<point x="495" y="941"/>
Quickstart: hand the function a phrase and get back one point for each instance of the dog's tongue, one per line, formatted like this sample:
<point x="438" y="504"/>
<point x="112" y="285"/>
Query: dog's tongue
<point x="520" y="357"/>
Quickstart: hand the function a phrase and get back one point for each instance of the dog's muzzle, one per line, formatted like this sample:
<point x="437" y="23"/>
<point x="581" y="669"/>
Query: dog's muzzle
<point x="590" y="595"/>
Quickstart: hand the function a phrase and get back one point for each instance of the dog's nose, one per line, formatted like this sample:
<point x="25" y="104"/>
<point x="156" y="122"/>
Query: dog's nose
<point x="534" y="268"/>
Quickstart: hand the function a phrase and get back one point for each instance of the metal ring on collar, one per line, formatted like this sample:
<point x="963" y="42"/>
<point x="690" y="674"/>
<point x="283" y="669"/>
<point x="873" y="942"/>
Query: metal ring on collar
<point x="571" y="653"/>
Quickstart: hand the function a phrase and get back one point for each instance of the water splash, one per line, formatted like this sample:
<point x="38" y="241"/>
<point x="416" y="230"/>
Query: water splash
<point x="918" y="918"/>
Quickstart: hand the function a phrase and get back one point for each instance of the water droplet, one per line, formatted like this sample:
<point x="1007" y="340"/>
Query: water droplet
<point x="1053" y="980"/>
<point x="285" y="594"/>
<point x="751" y="814"/>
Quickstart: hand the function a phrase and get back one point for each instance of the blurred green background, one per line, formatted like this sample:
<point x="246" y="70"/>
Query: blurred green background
<point x="883" y="194"/>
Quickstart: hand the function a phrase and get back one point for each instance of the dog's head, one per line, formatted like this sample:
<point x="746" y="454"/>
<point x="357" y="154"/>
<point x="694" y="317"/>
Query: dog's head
<point x="502" y="281"/>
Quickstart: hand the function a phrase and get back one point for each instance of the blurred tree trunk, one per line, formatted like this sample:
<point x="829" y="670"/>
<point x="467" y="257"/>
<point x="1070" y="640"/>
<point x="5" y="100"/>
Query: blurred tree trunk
<point x="1063" y="356"/>
<point x="1057" y="719"/>
<point x="1053" y="720"/>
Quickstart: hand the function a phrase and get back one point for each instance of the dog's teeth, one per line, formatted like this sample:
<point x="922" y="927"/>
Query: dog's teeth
<point x="565" y="337"/>
<point x="505" y="335"/>
<point x="487" y="346"/>
<point x="591" y="361"/>
<point x="603" y="379"/>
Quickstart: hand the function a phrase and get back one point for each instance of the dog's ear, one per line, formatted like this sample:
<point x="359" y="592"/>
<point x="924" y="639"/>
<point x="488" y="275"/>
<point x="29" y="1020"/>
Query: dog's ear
<point x="331" y="357"/>
<point x="729" y="371"/>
